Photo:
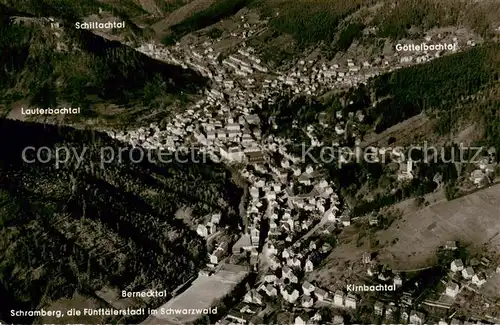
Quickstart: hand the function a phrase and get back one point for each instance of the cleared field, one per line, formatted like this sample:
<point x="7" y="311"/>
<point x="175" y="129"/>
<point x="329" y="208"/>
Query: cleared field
<point x="310" y="21"/>
<point x="411" y="242"/>
<point x="78" y="302"/>
<point x="404" y="132"/>
<point x="344" y="265"/>
<point x="492" y="287"/>
<point x="203" y="293"/>
<point x="474" y="220"/>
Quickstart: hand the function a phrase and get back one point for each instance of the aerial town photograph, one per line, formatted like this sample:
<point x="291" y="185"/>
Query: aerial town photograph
<point x="250" y="162"/>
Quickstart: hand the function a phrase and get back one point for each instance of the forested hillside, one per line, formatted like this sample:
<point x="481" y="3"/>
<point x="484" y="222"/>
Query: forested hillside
<point x="335" y="25"/>
<point x="214" y="13"/>
<point x="59" y="67"/>
<point x="444" y="89"/>
<point x="435" y="85"/>
<point x="82" y="228"/>
<point x="438" y="88"/>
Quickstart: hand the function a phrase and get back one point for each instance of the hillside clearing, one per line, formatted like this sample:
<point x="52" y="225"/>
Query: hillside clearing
<point x="411" y="242"/>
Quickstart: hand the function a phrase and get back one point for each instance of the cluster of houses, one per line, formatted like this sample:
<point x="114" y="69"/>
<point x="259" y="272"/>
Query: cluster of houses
<point x="292" y="198"/>
<point x="283" y="276"/>
<point x="245" y="81"/>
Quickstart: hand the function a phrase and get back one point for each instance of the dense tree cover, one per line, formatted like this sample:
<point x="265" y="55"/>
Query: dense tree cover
<point x="354" y="176"/>
<point x="491" y="120"/>
<point x="348" y="35"/>
<point x="217" y="11"/>
<point x="396" y="19"/>
<point x="288" y="108"/>
<point x="91" y="68"/>
<point x="70" y="9"/>
<point x="410" y="18"/>
<point x="451" y="88"/>
<point x="481" y="17"/>
<point x="214" y="33"/>
<point x="432" y="86"/>
<point x="330" y="23"/>
<point x="445" y="256"/>
<point x="14" y="42"/>
<point x="169" y="6"/>
<point x="68" y="228"/>
<point x="225" y="303"/>
<point x="462" y="86"/>
<point x="311" y="21"/>
<point x="61" y="8"/>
